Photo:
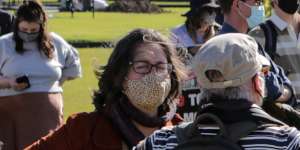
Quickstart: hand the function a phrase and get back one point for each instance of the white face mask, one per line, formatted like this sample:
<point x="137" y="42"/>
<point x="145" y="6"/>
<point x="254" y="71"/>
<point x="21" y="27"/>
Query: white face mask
<point x="148" y="93"/>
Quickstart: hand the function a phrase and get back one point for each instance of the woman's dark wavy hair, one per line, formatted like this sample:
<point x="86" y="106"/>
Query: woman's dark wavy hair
<point x="32" y="11"/>
<point x="112" y="75"/>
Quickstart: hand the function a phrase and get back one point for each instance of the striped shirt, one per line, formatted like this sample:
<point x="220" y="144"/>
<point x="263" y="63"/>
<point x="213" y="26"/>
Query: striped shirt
<point x="264" y="138"/>
<point x="288" y="49"/>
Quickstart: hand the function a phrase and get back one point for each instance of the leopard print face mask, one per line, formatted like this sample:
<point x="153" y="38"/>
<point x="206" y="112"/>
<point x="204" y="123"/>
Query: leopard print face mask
<point x="148" y="93"/>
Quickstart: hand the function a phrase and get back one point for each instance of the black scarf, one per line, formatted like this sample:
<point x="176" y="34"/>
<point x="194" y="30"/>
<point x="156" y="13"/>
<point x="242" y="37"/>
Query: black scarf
<point x="235" y="110"/>
<point x="122" y="115"/>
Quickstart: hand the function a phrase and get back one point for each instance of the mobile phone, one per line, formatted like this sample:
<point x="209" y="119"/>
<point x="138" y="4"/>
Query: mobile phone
<point x="23" y="79"/>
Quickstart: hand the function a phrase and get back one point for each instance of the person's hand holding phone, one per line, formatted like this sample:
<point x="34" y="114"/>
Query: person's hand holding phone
<point x="19" y="83"/>
<point x="22" y="83"/>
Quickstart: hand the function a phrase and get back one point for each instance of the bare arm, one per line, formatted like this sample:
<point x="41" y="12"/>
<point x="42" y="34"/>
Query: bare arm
<point x="7" y="82"/>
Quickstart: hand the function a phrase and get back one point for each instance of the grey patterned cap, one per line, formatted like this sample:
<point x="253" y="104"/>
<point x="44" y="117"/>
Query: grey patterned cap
<point x="235" y="55"/>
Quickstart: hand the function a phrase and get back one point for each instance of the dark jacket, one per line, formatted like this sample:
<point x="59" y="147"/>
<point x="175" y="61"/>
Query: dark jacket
<point x="6" y="22"/>
<point x="85" y="131"/>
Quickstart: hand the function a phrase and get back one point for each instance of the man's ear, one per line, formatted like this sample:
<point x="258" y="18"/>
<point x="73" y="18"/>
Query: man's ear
<point x="258" y="84"/>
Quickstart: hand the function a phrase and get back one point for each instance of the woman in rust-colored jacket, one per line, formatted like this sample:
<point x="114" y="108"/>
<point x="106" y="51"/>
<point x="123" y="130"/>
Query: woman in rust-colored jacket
<point x="136" y="96"/>
<point x="88" y="131"/>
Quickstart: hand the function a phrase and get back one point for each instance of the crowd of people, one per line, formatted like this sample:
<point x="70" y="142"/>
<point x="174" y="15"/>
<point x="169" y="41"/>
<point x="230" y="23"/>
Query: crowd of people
<point x="226" y="77"/>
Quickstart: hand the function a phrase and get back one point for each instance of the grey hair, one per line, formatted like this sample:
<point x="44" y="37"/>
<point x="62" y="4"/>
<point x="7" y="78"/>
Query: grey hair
<point x="245" y="91"/>
<point x="241" y="92"/>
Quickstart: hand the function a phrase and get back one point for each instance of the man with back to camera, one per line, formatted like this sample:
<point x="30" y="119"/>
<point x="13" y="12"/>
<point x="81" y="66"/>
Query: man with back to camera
<point x="229" y="70"/>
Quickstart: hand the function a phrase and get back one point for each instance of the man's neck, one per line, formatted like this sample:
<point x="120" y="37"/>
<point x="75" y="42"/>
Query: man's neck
<point x="237" y="22"/>
<point x="288" y="18"/>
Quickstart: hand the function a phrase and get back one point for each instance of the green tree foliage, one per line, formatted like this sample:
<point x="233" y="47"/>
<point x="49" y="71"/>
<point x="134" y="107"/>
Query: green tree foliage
<point x="268" y="7"/>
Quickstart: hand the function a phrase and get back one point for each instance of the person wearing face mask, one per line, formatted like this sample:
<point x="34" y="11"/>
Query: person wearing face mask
<point x="229" y="70"/>
<point x="33" y="66"/>
<point x="237" y="16"/>
<point x="137" y="91"/>
<point x="257" y="14"/>
<point x="285" y="50"/>
<point x="241" y="15"/>
<point x="199" y="26"/>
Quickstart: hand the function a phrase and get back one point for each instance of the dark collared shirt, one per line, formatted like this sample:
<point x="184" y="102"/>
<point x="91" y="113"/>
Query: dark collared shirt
<point x="227" y="28"/>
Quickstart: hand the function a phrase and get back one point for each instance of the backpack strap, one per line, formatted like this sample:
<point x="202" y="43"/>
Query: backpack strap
<point x="270" y="38"/>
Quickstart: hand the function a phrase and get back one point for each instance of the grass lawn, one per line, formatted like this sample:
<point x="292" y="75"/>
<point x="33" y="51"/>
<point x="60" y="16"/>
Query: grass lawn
<point x="77" y="93"/>
<point x="111" y="26"/>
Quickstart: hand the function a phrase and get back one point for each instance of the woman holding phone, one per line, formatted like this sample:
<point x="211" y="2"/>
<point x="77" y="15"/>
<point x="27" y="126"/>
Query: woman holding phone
<point x="33" y="66"/>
